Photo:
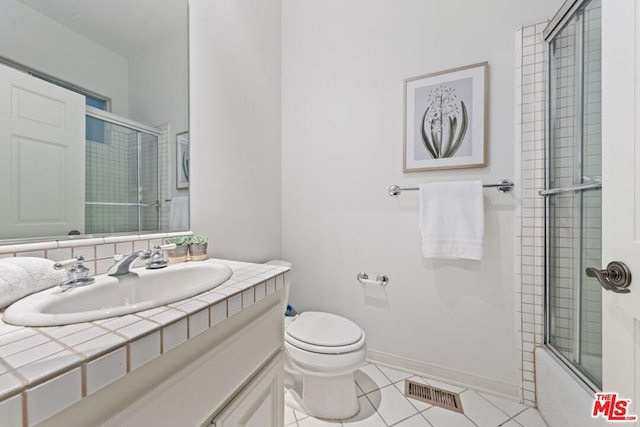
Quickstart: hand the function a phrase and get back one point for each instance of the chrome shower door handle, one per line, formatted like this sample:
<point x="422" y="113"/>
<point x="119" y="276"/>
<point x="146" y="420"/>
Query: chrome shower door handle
<point x="616" y="278"/>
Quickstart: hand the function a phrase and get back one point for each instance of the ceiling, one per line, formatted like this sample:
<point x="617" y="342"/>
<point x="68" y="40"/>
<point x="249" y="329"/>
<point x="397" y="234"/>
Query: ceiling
<point x="123" y="26"/>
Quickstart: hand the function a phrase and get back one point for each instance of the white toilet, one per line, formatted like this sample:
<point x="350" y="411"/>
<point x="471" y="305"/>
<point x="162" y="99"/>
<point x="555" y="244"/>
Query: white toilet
<point x="323" y="351"/>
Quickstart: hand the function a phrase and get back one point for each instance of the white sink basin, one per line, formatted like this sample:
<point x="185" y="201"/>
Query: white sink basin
<point x="115" y="296"/>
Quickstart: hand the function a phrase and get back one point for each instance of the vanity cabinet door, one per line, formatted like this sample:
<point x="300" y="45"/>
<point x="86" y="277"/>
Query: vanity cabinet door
<point x="259" y="403"/>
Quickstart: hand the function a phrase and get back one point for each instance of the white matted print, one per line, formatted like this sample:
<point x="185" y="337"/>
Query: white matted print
<point x="445" y="116"/>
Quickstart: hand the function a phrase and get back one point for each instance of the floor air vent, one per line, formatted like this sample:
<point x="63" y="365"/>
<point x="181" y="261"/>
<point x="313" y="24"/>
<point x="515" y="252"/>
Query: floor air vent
<point x="433" y="395"/>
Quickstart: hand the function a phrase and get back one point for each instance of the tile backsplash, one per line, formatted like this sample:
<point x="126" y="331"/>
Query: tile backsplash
<point x="98" y="252"/>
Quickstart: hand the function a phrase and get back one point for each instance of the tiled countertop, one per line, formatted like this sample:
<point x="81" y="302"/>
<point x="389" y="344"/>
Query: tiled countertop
<point x="44" y="370"/>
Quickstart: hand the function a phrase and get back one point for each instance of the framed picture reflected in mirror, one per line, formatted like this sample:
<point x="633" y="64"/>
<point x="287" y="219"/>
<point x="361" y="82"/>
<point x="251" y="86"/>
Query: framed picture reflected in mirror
<point x="182" y="160"/>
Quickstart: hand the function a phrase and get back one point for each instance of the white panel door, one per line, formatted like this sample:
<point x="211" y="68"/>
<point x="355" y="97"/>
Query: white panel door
<point x="621" y="197"/>
<point x="42" y="157"/>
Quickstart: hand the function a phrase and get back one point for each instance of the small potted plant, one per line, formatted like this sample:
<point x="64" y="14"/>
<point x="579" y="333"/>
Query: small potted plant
<point x="179" y="254"/>
<point x="198" y="248"/>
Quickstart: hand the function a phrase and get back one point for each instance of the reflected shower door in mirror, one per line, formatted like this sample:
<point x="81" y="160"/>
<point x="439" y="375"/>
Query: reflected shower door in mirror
<point x="125" y="66"/>
<point x="122" y="186"/>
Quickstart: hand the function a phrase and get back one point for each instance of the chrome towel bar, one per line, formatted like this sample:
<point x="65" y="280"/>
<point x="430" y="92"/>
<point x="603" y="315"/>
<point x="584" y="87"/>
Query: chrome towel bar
<point x="503" y="186"/>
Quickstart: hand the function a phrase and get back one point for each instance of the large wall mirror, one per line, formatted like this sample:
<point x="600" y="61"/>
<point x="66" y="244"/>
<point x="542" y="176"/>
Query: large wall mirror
<point x="93" y="95"/>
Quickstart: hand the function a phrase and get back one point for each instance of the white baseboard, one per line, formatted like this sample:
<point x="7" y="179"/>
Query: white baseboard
<point x="448" y="375"/>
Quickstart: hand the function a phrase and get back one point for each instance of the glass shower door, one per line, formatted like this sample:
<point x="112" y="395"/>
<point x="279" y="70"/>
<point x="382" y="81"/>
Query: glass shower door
<point x="122" y="189"/>
<point x="149" y="211"/>
<point x="574" y="198"/>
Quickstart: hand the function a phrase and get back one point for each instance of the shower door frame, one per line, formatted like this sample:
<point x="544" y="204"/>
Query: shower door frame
<point x="139" y="128"/>
<point x="569" y="10"/>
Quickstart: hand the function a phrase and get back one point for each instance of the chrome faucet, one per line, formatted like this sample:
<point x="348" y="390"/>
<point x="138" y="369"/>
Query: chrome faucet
<point x="155" y="257"/>
<point x="123" y="266"/>
<point x="77" y="275"/>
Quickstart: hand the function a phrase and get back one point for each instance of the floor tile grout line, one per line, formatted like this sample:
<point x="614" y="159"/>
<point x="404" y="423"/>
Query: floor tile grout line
<point x="387" y="377"/>
<point x="472" y="422"/>
<point x="410" y="400"/>
<point x="425" y="418"/>
<point x="513" y="418"/>
<point x="407" y="399"/>
<point x="500" y="409"/>
<point x="482" y="396"/>
<point x="405" y="419"/>
<point x="379" y="388"/>
<point x="373" y="406"/>
<point x="488" y="401"/>
<point x="418" y="411"/>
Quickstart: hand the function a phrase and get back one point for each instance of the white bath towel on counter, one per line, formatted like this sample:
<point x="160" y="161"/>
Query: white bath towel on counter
<point x="22" y="276"/>
<point x="452" y="219"/>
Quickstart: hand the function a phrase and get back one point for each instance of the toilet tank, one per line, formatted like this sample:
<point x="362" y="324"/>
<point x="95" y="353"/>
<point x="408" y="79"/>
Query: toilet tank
<point x="287" y="282"/>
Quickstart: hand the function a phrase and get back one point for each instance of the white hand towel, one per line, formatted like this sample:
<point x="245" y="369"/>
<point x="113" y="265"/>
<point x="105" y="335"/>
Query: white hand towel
<point x="179" y="213"/>
<point x="452" y="219"/>
<point x="22" y="276"/>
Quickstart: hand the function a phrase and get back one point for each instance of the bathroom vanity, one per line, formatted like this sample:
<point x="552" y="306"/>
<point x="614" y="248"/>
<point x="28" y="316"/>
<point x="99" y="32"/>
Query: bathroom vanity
<point x="214" y="359"/>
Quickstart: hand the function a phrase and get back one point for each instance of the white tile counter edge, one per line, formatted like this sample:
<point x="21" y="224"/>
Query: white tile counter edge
<point x="54" y="367"/>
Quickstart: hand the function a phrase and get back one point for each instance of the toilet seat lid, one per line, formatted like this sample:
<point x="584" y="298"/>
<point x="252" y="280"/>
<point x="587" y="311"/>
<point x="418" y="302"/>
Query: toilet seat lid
<point x="324" y="330"/>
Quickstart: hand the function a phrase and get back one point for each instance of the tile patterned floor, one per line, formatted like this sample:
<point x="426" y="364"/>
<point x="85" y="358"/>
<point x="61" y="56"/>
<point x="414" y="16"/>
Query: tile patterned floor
<point x="382" y="404"/>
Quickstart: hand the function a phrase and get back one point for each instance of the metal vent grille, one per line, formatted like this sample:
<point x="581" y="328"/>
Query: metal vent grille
<point x="433" y="395"/>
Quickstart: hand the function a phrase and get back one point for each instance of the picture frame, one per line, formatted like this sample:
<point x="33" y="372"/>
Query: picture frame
<point x="445" y="117"/>
<point x="182" y="160"/>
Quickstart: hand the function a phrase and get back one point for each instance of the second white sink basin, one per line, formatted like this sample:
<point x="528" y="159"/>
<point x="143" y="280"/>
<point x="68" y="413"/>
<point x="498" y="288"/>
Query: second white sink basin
<point x="116" y="296"/>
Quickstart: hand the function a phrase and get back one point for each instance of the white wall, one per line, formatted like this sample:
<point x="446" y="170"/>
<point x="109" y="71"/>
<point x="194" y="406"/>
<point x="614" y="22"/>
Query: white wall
<point x="234" y="79"/>
<point x="159" y="89"/>
<point x="343" y="69"/>
<point x="32" y="39"/>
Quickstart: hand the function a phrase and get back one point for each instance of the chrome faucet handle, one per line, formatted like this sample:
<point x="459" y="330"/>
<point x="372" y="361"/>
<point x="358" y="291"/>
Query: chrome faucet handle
<point x="77" y="275"/>
<point x="122" y="266"/>
<point x="156" y="259"/>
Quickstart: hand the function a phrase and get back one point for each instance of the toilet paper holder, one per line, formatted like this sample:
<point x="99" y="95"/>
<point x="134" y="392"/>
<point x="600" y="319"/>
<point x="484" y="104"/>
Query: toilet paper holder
<point x="381" y="280"/>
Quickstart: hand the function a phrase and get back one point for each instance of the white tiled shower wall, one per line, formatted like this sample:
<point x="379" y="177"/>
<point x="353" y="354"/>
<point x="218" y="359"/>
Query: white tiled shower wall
<point x="163" y="174"/>
<point x="108" y="176"/>
<point x="530" y="123"/>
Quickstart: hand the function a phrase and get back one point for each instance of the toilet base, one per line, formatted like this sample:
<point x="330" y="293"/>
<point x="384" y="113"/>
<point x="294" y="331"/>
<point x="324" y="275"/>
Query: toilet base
<point x="332" y="398"/>
<point x="320" y="379"/>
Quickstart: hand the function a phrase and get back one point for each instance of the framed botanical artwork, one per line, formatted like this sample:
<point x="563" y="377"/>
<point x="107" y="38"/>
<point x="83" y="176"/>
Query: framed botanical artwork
<point x="444" y="119"/>
<point x="182" y="160"/>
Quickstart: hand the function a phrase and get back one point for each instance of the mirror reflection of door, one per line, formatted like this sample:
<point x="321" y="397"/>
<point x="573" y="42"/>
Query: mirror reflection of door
<point x="42" y="128"/>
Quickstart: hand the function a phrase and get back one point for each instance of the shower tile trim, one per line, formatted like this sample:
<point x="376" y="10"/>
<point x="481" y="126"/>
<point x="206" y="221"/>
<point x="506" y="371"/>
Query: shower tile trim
<point x="138" y="334"/>
<point x="530" y="143"/>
